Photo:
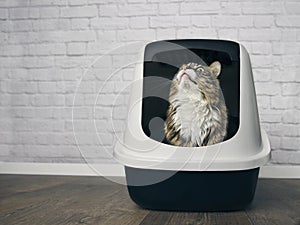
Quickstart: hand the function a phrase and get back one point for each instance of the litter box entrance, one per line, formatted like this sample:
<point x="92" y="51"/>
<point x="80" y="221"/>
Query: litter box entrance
<point x="164" y="58"/>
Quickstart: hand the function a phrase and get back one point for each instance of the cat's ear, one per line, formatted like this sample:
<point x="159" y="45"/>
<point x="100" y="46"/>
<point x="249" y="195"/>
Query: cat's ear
<point x="215" y="68"/>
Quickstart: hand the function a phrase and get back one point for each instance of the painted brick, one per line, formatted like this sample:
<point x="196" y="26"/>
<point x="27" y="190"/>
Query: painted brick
<point x="232" y="21"/>
<point x="3" y="13"/>
<point x="263" y="102"/>
<point x="46" y="24"/>
<point x="288" y="21"/>
<point x="98" y="48"/>
<point x="294" y="158"/>
<point x="6" y="26"/>
<point x="141" y="22"/>
<point x="18" y="13"/>
<point x="168" y="9"/>
<point x="290" y="60"/>
<point x="228" y="33"/>
<point x="261" y="48"/>
<point x="5" y="100"/>
<point x="263" y="74"/>
<point x="108" y="10"/>
<point x="34" y="13"/>
<point x="106" y="87"/>
<point x="120" y="113"/>
<point x="169" y="21"/>
<point x="105" y="138"/>
<point x="48" y="3"/>
<point x="23" y="112"/>
<point x="38" y="62"/>
<point x="280" y="157"/>
<point x="165" y="33"/>
<point x="262" y="7"/>
<point x="76" y="48"/>
<point x="280" y="102"/>
<point x="266" y="88"/>
<point x="262" y="61"/>
<point x="136" y="35"/>
<point x="13" y="50"/>
<point x="71" y="74"/>
<point x="200" y="8"/>
<point x="280" y="48"/>
<point x="81" y="11"/>
<point x="18" y="87"/>
<point x="290" y="36"/>
<point x="77" y="2"/>
<point x="91" y="139"/>
<point x="284" y="75"/>
<point x="288" y="89"/>
<point x="43" y="74"/>
<point x="292" y="7"/>
<point x="49" y="12"/>
<point x="291" y="116"/>
<point x="45" y="99"/>
<point x="231" y="8"/>
<point x="103" y="2"/>
<point x="47" y="87"/>
<point x="290" y="143"/>
<point x="196" y="33"/>
<point x="114" y="23"/>
<point x="275" y="142"/>
<point x="19" y="100"/>
<point x="67" y="36"/>
<point x="263" y="21"/>
<point x="86" y="87"/>
<point x="14" y="3"/>
<point x="137" y="9"/>
<point x="260" y="34"/>
<point x="47" y="49"/>
<point x="23" y="37"/>
<point x="17" y="74"/>
<point x="274" y="116"/>
<point x="158" y="1"/>
<point x="106" y="36"/>
<point x="201" y="21"/>
<point x="288" y="130"/>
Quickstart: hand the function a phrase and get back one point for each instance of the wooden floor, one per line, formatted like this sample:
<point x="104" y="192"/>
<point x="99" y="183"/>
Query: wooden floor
<point x="94" y="200"/>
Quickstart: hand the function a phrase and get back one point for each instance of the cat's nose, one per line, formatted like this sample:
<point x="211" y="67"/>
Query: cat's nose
<point x="184" y="67"/>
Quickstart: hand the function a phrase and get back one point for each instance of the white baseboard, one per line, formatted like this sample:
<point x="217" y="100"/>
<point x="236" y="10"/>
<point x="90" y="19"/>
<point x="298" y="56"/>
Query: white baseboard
<point x="270" y="171"/>
<point x="68" y="169"/>
<point x="280" y="171"/>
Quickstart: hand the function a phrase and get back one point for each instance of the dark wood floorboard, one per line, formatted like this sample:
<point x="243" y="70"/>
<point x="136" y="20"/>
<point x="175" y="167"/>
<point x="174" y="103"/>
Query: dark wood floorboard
<point x="95" y="200"/>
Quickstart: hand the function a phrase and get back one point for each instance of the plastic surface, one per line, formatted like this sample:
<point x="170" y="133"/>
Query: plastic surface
<point x="193" y="191"/>
<point x="248" y="148"/>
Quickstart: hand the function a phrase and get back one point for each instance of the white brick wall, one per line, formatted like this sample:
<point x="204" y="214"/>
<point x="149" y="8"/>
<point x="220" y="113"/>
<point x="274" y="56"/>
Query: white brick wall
<point x="46" y="45"/>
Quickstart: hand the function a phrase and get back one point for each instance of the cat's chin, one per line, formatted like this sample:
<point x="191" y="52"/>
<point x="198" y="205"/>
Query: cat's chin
<point x="186" y="82"/>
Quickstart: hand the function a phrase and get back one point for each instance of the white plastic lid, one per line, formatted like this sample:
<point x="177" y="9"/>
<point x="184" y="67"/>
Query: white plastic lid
<point x="248" y="148"/>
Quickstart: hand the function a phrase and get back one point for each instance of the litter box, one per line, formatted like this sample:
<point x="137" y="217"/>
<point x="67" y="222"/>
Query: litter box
<point x="218" y="177"/>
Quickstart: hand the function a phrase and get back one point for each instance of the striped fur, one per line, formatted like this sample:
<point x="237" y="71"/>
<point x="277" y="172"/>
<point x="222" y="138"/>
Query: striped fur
<point x="197" y="115"/>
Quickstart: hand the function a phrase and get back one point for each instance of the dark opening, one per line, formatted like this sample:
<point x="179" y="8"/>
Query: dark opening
<point x="162" y="61"/>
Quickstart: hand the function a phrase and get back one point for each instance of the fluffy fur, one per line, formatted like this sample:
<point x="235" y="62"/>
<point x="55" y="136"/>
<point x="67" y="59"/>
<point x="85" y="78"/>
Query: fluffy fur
<point x="197" y="114"/>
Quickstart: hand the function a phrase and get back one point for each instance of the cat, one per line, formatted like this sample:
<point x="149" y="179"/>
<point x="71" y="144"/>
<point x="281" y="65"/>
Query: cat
<point x="197" y="114"/>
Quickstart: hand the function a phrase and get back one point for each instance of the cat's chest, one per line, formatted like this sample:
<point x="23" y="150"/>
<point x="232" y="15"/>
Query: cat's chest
<point x="193" y="116"/>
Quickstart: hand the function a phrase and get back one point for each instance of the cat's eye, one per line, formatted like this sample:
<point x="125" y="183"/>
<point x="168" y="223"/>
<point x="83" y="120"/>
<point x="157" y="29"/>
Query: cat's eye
<point x="200" y="69"/>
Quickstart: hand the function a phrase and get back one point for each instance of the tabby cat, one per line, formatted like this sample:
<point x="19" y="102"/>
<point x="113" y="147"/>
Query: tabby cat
<point x="197" y="115"/>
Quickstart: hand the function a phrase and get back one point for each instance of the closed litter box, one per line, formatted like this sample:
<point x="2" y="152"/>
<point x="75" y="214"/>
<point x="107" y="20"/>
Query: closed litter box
<point x="217" y="177"/>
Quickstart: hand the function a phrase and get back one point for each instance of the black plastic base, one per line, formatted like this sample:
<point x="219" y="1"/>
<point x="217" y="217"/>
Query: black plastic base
<point x="193" y="191"/>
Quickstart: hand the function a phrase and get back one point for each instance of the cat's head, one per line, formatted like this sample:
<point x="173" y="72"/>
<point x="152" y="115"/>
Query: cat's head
<point x="193" y="75"/>
<point x="193" y="79"/>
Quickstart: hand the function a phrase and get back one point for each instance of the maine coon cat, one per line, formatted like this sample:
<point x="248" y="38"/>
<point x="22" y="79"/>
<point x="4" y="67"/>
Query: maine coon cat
<point x="197" y="114"/>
